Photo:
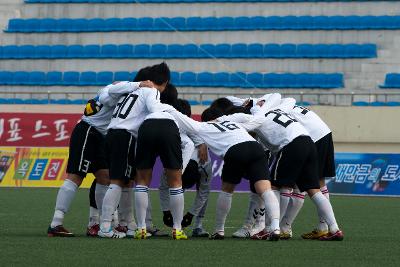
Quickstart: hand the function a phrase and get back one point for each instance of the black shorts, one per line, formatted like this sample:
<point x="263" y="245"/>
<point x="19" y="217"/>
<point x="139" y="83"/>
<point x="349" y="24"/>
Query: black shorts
<point x="246" y="160"/>
<point x="326" y="157"/>
<point x="120" y="149"/>
<point x="86" y="150"/>
<point x="159" y="137"/>
<point x="296" y="164"/>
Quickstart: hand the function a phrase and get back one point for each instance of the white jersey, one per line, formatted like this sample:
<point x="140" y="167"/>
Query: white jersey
<point x="280" y="128"/>
<point x="271" y="100"/>
<point x="188" y="148"/>
<point x="316" y="127"/>
<point x="132" y="109"/>
<point x="106" y="99"/>
<point x="218" y="135"/>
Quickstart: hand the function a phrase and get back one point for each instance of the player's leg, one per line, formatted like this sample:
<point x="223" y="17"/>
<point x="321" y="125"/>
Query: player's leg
<point x="250" y="219"/>
<point x="94" y="218"/>
<point x="164" y="200"/>
<point x="151" y="229"/>
<point x="223" y="207"/>
<point x="295" y="204"/>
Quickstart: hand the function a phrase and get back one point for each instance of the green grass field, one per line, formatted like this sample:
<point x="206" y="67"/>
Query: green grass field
<point x="370" y="225"/>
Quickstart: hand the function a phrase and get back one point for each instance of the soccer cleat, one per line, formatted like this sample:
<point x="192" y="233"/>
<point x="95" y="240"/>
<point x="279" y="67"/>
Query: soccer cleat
<point x="178" y="234"/>
<point x="111" y="234"/>
<point x="140" y="233"/>
<point x="199" y="232"/>
<point x="275" y="235"/>
<point x="93" y="230"/>
<point x="262" y="235"/>
<point x="285" y="235"/>
<point x="315" y="234"/>
<point x="337" y="236"/>
<point x="243" y="232"/>
<point x="154" y="231"/>
<point x="217" y="236"/>
<point x="121" y="228"/>
<point x="59" y="230"/>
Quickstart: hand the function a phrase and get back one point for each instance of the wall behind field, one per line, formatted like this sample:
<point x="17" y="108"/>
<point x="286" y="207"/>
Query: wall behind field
<point x="355" y="129"/>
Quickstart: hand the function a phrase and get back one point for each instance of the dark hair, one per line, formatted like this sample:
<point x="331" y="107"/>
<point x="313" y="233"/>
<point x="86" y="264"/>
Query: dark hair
<point x="169" y="95"/>
<point x="238" y="109"/>
<point x="158" y="74"/>
<point x="222" y="103"/>
<point x="211" y="114"/>
<point x="183" y="106"/>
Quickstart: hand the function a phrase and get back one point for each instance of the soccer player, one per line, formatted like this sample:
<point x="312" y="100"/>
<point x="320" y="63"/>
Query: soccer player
<point x="86" y="151"/>
<point x="243" y="156"/>
<point x="127" y="117"/>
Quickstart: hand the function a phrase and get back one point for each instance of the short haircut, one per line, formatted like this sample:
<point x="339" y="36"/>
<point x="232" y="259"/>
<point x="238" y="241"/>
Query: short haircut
<point x="211" y="114"/>
<point x="222" y="104"/>
<point x="183" y="106"/>
<point x="158" y="74"/>
<point x="169" y="95"/>
<point x="238" y="109"/>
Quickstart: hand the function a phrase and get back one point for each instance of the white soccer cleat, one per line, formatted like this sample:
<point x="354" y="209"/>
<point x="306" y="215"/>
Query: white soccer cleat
<point x="243" y="232"/>
<point x="256" y="229"/>
<point x="111" y="234"/>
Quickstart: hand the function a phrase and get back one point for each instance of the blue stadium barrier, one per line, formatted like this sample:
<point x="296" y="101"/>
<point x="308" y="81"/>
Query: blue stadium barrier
<point x="206" y="24"/>
<point x="87" y="78"/>
<point x="360" y="104"/>
<point x="392" y="80"/>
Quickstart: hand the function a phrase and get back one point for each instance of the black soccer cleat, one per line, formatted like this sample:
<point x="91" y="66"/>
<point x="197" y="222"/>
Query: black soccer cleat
<point x="59" y="230"/>
<point x="217" y="236"/>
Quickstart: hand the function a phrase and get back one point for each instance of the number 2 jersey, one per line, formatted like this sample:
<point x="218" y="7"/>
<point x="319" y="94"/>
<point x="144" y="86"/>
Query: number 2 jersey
<point x="99" y="110"/>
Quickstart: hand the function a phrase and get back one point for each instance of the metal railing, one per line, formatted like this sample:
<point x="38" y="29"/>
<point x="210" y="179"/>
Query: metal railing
<point x="204" y="97"/>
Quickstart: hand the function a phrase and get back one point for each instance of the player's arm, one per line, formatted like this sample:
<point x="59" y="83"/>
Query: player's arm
<point x="287" y="104"/>
<point x="236" y="100"/>
<point x="249" y="122"/>
<point x="185" y="123"/>
<point x="187" y="150"/>
<point x="201" y="147"/>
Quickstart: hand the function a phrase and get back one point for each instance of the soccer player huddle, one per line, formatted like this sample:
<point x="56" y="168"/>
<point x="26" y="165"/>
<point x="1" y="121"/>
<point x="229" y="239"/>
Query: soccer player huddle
<point x="285" y="151"/>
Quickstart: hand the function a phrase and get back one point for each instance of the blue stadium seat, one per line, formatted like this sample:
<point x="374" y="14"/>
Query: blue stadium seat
<point x="239" y="50"/>
<point x="175" y="51"/>
<point x="378" y="104"/>
<point x="303" y="80"/>
<point x="175" y="77"/>
<point x="71" y="78"/>
<point x="352" y="51"/>
<point x="96" y="25"/>
<point x="109" y="51"/>
<point x="113" y="24"/>
<point x="47" y="25"/>
<point x="303" y="103"/>
<point x="190" y="50"/>
<point x="368" y="50"/>
<point x="63" y="25"/>
<point x="305" y="51"/>
<point x="206" y="102"/>
<point x="43" y="51"/>
<point x="257" y="22"/>
<point x="209" y="23"/>
<point x="128" y="24"/>
<point x="320" y="50"/>
<point x="20" y="78"/>
<point x="54" y="78"/>
<point x="336" y="51"/>
<point x="223" y="50"/>
<point x="238" y="79"/>
<point x="31" y="25"/>
<point x="125" y="51"/>
<point x="26" y="51"/>
<point x="272" y="51"/>
<point x="142" y="51"/>
<point x="205" y="79"/>
<point x="393" y="104"/>
<point x="289" y="23"/>
<point x="241" y="23"/>
<point x="78" y="101"/>
<point x="255" y="80"/>
<point x="104" y="78"/>
<point x="16" y="101"/>
<point x="271" y="80"/>
<point x="58" y="51"/>
<point x="122" y="76"/>
<point x="75" y="51"/>
<point x="178" y="23"/>
<point x="162" y="24"/>
<point x="63" y="101"/>
<point x="225" y="23"/>
<point x="221" y="79"/>
<point x="360" y="103"/>
<point x="187" y="78"/>
<point x="91" y="51"/>
<point x="158" y="51"/>
<point x="193" y="102"/>
<point x="6" y="77"/>
<point x="287" y="80"/>
<point x="16" y="25"/>
<point x="133" y="75"/>
<point x="333" y="80"/>
<point x="392" y="80"/>
<point x="88" y="78"/>
<point x="288" y="50"/>
<point x="3" y="101"/>
<point x="206" y="51"/>
<point x="144" y="24"/>
<point x="303" y="22"/>
<point x="10" y="51"/>
<point x="321" y="23"/>
<point x="193" y="23"/>
<point x="255" y="51"/>
<point x="78" y="25"/>
<point x="37" y="78"/>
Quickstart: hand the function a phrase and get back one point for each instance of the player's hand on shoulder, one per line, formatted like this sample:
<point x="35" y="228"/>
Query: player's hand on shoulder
<point x="146" y="84"/>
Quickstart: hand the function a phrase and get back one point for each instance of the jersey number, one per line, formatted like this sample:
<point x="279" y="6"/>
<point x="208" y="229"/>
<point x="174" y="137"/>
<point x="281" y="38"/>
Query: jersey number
<point x="304" y="110"/>
<point x="124" y="107"/>
<point x="225" y="125"/>
<point x="281" y="117"/>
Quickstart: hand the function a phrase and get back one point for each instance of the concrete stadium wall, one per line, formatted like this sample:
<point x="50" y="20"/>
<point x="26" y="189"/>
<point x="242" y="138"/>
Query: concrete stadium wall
<point x="355" y="129"/>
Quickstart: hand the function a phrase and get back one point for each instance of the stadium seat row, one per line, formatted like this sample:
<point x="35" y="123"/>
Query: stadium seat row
<point x="190" y="51"/>
<point x="206" y="24"/>
<point x="188" y="79"/>
<point x="392" y="80"/>
<point x="61" y="101"/>
<point x="182" y="1"/>
<point x="376" y="104"/>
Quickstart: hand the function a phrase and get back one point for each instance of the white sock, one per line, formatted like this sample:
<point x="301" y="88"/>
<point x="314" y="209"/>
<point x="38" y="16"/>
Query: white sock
<point x="65" y="195"/>
<point x="325" y="209"/>
<point x="295" y="204"/>
<point x="125" y="209"/>
<point x="224" y="203"/>
<point x="141" y="204"/>
<point x="93" y="216"/>
<point x="285" y="195"/>
<point x="176" y="204"/>
<point x="252" y="210"/>
<point x="99" y="194"/>
<point x="271" y="208"/>
<point x="322" y="225"/>
<point x="259" y="212"/>
<point x="149" y="219"/>
<point x="110" y="204"/>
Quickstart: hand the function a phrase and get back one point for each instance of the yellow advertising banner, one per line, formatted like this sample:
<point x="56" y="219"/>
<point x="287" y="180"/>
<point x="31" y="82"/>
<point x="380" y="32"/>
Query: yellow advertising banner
<point x="35" y="167"/>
